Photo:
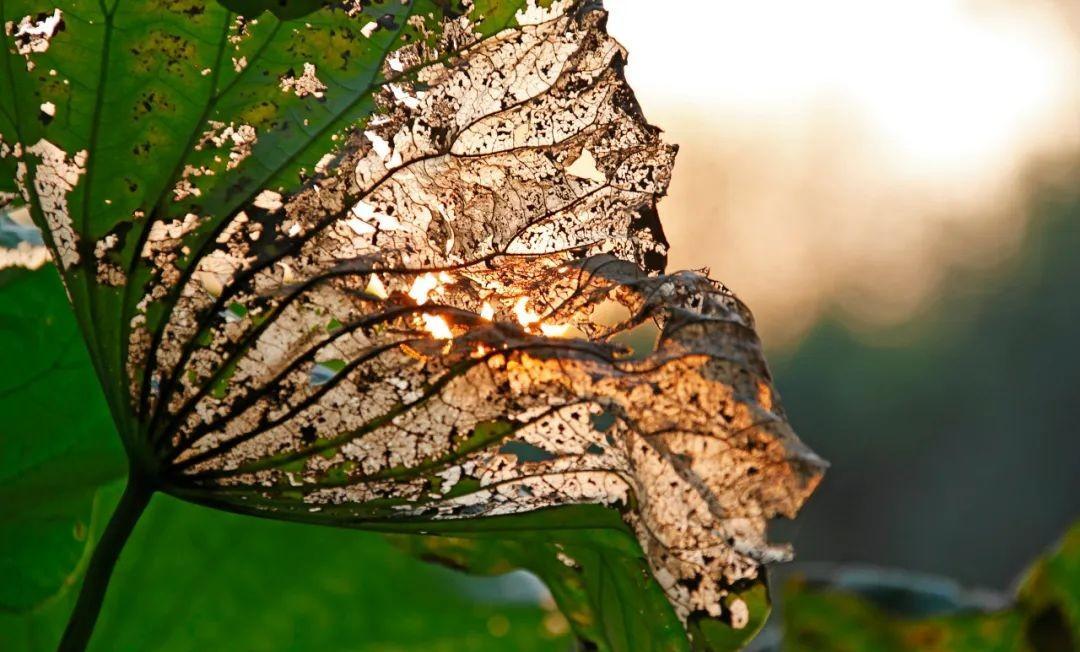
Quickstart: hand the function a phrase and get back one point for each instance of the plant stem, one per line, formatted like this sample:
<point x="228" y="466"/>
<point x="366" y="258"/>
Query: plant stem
<point x="81" y="624"/>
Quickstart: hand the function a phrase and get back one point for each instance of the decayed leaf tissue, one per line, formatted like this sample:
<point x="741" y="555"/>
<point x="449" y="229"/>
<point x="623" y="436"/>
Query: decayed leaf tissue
<point x="464" y="312"/>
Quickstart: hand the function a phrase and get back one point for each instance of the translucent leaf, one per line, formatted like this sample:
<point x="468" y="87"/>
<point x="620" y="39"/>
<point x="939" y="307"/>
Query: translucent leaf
<point x="389" y="276"/>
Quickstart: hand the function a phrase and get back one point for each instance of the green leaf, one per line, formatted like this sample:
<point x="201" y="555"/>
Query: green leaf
<point x="1044" y="617"/>
<point x="713" y="634"/>
<point x="1049" y="597"/>
<point x="598" y="577"/>
<point x="600" y="580"/>
<point x="192" y="578"/>
<point x="57" y="441"/>
<point x="840" y="621"/>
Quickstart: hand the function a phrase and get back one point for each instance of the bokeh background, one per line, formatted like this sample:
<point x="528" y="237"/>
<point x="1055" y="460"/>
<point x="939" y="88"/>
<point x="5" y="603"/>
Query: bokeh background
<point x="894" y="189"/>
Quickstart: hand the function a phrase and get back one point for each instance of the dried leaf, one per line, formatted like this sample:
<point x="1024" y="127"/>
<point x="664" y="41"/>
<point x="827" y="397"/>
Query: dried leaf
<point x="433" y="326"/>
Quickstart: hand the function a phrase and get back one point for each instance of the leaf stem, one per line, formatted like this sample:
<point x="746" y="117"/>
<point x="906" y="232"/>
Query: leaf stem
<point x="80" y="626"/>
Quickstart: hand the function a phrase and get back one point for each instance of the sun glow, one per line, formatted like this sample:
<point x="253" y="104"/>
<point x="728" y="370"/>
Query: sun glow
<point x="524" y="315"/>
<point x="831" y="151"/>
<point x="556" y="330"/>
<point x="437" y="326"/>
<point x="942" y="83"/>
<point x="422" y="287"/>
<point x="427" y="286"/>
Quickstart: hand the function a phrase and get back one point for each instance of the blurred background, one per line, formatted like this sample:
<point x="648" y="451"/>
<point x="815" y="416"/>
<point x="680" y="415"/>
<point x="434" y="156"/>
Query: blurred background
<point x="894" y="189"/>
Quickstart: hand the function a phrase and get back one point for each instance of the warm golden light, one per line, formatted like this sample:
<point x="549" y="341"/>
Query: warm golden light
<point x="422" y="287"/>
<point x="556" y="330"/>
<point x="848" y="153"/>
<point x="437" y="326"/>
<point x="425" y="285"/>
<point x="525" y="316"/>
<point x="530" y="320"/>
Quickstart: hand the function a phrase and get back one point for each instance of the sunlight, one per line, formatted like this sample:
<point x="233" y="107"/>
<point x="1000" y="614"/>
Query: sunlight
<point x="808" y="131"/>
<point x="943" y="83"/>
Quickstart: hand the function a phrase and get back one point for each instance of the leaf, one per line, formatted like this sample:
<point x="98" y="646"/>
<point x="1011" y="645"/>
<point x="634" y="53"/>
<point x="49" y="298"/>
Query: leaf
<point x="42" y="540"/>
<point x="598" y="577"/>
<point x="192" y="578"/>
<point x="600" y="580"/>
<point x="1044" y="617"/>
<point x="42" y="479"/>
<point x="589" y="547"/>
<point x="838" y="621"/>
<point x="1049" y="597"/>
<point x="377" y="267"/>
<point x="56" y="441"/>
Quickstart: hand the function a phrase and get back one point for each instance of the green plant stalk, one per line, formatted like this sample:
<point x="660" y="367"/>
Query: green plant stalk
<point x="80" y="626"/>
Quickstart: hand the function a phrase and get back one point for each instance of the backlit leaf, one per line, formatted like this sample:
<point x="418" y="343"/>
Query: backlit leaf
<point x="378" y="265"/>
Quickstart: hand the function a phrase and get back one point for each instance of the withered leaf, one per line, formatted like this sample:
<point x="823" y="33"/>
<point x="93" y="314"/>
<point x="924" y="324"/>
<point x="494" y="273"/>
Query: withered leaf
<point x="436" y="324"/>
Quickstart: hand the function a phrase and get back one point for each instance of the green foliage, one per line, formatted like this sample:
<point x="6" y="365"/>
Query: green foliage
<point x="1044" y="618"/>
<point x="192" y="578"/>
<point x="1049" y="597"/>
<point x="833" y="620"/>
<point x="711" y="634"/>
<point x="56" y="441"/>
<point x="601" y="583"/>
<point x="604" y="591"/>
